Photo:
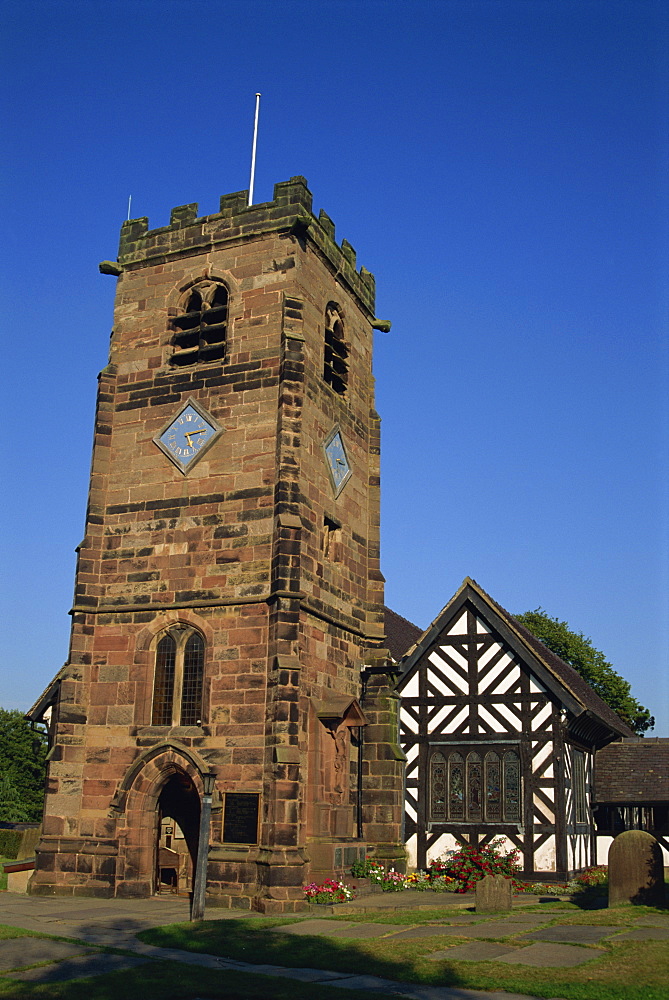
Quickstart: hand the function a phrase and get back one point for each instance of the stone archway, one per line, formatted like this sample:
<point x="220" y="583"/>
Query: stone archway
<point x="166" y="776"/>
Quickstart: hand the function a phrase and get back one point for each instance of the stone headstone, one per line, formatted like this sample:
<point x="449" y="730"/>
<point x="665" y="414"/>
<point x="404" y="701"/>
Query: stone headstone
<point x="636" y="872"/>
<point x="493" y="894"/>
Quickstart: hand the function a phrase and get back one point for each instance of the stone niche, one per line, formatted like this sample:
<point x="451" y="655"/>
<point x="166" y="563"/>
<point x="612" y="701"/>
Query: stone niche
<point x="332" y="787"/>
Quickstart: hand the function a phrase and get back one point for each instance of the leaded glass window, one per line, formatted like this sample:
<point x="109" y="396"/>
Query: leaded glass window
<point x="493" y="790"/>
<point x="179" y="677"/>
<point x="511" y="787"/>
<point x="466" y="787"/>
<point x="438" y="787"/>
<point x="474" y="783"/>
<point x="191" y="692"/>
<point x="163" y="691"/>
<point x="456" y="787"/>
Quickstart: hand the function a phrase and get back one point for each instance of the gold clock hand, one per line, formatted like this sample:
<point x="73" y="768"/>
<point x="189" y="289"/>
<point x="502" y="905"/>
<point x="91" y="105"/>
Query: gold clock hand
<point x="189" y="433"/>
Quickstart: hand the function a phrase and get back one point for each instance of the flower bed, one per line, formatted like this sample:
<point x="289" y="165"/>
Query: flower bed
<point x="329" y="892"/>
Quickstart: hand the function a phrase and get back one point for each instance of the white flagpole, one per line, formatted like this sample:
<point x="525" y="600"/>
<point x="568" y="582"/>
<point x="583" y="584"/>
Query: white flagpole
<point x="253" y="153"/>
<point x="129" y="204"/>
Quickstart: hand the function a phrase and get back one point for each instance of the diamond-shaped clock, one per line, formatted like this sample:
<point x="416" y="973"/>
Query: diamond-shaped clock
<point x="187" y="435"/>
<point x="337" y="462"/>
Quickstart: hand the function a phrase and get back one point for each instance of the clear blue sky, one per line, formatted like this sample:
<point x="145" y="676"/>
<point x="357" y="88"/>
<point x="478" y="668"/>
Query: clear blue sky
<point x="501" y="168"/>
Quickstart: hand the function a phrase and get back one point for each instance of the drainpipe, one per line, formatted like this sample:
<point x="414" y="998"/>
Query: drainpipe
<point x="200" y="880"/>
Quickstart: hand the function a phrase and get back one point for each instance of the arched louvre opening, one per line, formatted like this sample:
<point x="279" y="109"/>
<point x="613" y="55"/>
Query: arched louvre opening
<point x="200" y="331"/>
<point x="335" y="359"/>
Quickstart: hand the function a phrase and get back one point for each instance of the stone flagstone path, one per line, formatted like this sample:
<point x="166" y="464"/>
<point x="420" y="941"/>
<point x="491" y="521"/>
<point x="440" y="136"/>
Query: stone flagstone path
<point x="116" y="922"/>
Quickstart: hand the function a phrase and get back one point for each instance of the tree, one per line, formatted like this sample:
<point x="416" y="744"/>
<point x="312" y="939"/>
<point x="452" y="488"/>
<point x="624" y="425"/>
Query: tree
<point x="22" y="768"/>
<point x="577" y="650"/>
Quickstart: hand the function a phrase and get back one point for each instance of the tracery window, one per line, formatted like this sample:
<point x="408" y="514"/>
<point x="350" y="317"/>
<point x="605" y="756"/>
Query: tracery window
<point x="335" y="364"/>
<point x="200" y="330"/>
<point x="178" y="682"/>
<point x="464" y="787"/>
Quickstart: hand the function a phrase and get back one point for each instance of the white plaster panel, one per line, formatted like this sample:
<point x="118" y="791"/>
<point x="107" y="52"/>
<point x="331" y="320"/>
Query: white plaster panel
<point x="459" y="719"/>
<point x="603" y="844"/>
<point x="481" y="626"/>
<point x="543" y="808"/>
<point x="410" y="810"/>
<point x="412" y="851"/>
<point x="544" y="856"/>
<point x="411" y="753"/>
<point x="460" y="626"/>
<point x="511" y="677"/>
<point x="513" y="722"/>
<point x="446" y="842"/>
<point x="542" y="717"/>
<point x="454" y="654"/>
<point x="536" y="688"/>
<point x="436" y="682"/>
<point x="438" y="717"/>
<point x="411" y="689"/>
<point x="407" y="722"/>
<point x="451" y="676"/>
<point x="540" y="755"/>
<point x="488" y="654"/>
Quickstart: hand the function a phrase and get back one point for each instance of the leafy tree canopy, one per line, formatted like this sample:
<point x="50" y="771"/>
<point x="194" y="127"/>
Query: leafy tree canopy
<point x="22" y="768"/>
<point x="577" y="650"/>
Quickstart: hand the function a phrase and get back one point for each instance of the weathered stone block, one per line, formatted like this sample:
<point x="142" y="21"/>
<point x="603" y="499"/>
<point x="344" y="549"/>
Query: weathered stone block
<point x="493" y="894"/>
<point x="636" y="872"/>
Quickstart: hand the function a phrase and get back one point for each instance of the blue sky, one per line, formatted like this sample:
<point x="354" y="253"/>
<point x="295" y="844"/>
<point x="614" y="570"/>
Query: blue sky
<point x="500" y="167"/>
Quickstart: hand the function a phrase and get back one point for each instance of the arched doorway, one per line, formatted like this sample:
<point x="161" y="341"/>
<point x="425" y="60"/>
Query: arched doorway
<point x="177" y="834"/>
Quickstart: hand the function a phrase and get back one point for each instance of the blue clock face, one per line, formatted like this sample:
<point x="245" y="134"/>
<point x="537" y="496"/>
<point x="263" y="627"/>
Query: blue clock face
<point x="335" y="453"/>
<point x="187" y="435"/>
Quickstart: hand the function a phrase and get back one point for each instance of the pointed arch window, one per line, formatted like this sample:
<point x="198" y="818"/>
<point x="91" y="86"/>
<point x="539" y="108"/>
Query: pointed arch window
<point x="200" y="330"/>
<point x="178" y="681"/>
<point x="335" y="360"/>
<point x="481" y="790"/>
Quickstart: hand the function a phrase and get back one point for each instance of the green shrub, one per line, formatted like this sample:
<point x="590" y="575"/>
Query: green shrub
<point x="10" y="843"/>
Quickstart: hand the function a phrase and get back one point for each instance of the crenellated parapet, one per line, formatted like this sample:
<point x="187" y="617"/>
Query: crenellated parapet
<point x="290" y="212"/>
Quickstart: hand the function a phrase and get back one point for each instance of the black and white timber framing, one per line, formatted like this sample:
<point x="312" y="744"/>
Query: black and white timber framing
<point x="499" y="735"/>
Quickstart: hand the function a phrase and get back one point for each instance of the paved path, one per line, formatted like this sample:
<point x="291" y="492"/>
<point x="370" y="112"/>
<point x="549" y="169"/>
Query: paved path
<point x="114" y="923"/>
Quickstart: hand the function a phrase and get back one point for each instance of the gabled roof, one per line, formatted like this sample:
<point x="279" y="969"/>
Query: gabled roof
<point x="591" y="718"/>
<point x="635" y="770"/>
<point x="401" y="634"/>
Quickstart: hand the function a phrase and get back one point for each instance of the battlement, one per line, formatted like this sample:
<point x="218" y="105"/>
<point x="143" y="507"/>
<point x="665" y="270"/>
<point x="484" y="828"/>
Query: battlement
<point x="290" y="212"/>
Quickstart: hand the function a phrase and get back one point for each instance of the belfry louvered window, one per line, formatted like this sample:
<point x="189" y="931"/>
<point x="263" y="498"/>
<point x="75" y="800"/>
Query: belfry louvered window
<point x="335" y="363"/>
<point x="178" y="682"/>
<point x="200" y="330"/>
<point x="467" y="786"/>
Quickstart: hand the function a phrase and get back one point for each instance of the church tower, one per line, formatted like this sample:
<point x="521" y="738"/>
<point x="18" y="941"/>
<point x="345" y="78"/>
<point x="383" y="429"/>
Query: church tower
<point x="228" y="594"/>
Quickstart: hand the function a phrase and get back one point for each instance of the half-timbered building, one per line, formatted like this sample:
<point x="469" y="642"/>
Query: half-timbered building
<point x="499" y="735"/>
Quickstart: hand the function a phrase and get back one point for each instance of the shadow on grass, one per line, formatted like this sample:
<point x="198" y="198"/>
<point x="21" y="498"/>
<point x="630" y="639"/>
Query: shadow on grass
<point x="247" y="941"/>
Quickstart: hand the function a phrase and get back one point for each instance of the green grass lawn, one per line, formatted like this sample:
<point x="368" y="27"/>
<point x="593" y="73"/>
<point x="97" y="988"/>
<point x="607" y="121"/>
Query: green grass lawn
<point x="629" y="970"/>
<point x="3" y="877"/>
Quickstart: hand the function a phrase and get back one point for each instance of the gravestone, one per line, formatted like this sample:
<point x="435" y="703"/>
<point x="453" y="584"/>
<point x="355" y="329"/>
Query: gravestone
<point x="636" y="872"/>
<point x="493" y="894"/>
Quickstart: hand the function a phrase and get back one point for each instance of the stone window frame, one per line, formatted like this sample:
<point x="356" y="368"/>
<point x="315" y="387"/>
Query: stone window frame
<point x="179" y="706"/>
<point x="195" y="338"/>
<point x="461" y="783"/>
<point x="335" y="350"/>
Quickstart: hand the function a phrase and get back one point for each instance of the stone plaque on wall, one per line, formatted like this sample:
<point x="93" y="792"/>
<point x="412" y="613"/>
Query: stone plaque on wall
<point x="240" y="818"/>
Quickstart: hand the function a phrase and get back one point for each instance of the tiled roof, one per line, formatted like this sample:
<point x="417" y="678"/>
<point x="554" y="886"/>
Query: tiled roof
<point x="635" y="770"/>
<point x="401" y="634"/>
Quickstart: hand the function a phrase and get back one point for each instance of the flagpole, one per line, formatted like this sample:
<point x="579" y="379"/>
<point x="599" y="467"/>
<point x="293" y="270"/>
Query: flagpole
<point x="253" y="153"/>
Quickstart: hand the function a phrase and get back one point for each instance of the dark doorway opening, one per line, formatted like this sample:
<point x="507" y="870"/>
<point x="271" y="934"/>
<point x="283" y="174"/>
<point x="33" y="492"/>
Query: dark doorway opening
<point x="176" y="850"/>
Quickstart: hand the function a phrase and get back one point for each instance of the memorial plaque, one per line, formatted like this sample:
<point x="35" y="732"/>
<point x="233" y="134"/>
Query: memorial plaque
<point x="240" y="819"/>
<point x="350" y="856"/>
<point x="337" y="857"/>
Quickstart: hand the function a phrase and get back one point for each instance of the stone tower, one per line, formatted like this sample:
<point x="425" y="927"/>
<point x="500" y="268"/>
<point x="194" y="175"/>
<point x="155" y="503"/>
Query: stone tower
<point x="228" y="593"/>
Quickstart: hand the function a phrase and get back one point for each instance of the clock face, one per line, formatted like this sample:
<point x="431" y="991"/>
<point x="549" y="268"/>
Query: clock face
<point x="338" y="467"/>
<point x="188" y="435"/>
